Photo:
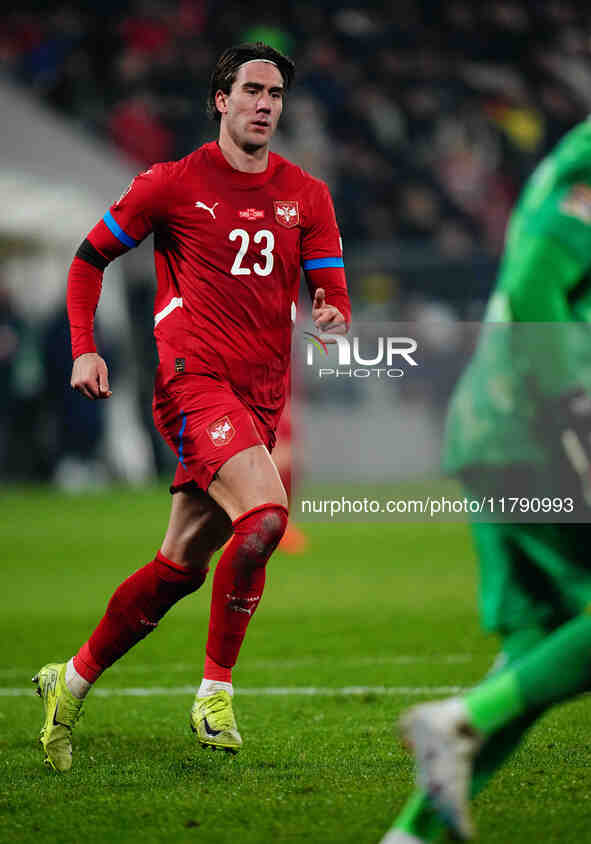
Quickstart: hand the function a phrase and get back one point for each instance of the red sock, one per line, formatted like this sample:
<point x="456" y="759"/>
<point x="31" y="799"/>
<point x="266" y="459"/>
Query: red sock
<point x="238" y="585"/>
<point x="134" y="610"/>
<point x="213" y="671"/>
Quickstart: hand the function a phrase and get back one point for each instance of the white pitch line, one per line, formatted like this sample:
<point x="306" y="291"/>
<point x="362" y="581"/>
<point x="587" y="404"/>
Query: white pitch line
<point x="304" y="662"/>
<point x="267" y="691"/>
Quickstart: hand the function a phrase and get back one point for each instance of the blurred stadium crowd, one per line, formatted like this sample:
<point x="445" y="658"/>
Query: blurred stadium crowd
<point x="424" y="116"/>
<point x="431" y="113"/>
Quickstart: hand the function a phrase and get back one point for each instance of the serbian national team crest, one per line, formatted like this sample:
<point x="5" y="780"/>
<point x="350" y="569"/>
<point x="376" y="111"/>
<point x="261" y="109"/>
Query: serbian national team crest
<point x="287" y="213"/>
<point x="221" y="431"/>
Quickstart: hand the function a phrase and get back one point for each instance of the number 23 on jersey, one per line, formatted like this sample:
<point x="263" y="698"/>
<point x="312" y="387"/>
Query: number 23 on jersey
<point x="263" y="238"/>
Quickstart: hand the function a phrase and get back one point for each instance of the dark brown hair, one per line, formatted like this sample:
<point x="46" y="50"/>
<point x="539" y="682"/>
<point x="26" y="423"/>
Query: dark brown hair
<point x="226" y="69"/>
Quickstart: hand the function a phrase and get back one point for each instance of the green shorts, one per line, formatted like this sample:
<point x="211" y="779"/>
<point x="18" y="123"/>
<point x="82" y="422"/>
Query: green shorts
<point x="532" y="575"/>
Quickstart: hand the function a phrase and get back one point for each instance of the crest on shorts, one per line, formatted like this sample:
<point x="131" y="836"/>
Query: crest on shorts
<point x="221" y="431"/>
<point x="287" y="213"/>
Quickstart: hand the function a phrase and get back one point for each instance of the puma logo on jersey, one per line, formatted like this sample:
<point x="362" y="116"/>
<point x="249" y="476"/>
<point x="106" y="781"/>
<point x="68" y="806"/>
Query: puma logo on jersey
<point x="207" y="208"/>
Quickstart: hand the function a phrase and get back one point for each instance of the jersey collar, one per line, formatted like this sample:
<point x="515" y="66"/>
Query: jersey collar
<point x="238" y="177"/>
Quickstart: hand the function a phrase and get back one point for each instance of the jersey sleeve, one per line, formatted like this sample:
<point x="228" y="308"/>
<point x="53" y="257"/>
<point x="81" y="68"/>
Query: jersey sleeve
<point x="565" y="216"/>
<point x="321" y="240"/>
<point x="538" y="283"/>
<point x="84" y="289"/>
<point x="538" y="288"/>
<point x="322" y="252"/>
<point x="128" y="221"/>
<point x="549" y="255"/>
<point x="139" y="209"/>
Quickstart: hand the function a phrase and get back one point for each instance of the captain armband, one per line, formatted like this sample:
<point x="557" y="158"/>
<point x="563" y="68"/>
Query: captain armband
<point x="87" y="252"/>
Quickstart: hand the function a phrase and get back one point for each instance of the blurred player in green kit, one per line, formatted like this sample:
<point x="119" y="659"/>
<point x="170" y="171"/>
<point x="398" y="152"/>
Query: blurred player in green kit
<point x="518" y="425"/>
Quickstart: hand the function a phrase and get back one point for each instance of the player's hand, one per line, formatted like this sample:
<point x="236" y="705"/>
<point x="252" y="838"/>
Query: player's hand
<point x="90" y="376"/>
<point x="327" y="318"/>
<point x="569" y="416"/>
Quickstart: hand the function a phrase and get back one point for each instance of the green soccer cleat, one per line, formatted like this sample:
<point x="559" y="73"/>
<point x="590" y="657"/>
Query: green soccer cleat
<point x="62" y="710"/>
<point x="212" y="718"/>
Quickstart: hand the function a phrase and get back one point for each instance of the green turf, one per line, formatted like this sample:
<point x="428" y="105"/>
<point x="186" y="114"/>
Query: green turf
<point x="367" y="605"/>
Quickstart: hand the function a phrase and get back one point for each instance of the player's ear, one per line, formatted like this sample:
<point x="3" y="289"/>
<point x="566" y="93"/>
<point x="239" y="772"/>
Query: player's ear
<point x="221" y="101"/>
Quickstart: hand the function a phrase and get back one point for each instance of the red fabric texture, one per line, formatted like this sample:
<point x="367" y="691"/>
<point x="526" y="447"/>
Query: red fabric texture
<point x="84" y="290"/>
<point x="213" y="671"/>
<point x="86" y="665"/>
<point x="218" y="232"/>
<point x="134" y="610"/>
<point x="240" y="579"/>
<point x="205" y="423"/>
<point x="105" y="242"/>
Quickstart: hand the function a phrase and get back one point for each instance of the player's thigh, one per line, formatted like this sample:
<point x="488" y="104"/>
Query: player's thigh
<point x="246" y="480"/>
<point x="197" y="527"/>
<point x="531" y="575"/>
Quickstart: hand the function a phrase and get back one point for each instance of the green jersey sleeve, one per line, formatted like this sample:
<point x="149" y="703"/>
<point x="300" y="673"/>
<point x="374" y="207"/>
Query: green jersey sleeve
<point x="565" y="216"/>
<point x="537" y="280"/>
<point x="548" y="255"/>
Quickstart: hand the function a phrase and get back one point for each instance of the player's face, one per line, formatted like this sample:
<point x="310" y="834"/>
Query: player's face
<point x="251" y="111"/>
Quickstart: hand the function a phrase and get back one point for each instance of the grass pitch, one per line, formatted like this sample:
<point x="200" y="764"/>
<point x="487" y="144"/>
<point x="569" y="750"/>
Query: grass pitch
<point x="390" y="608"/>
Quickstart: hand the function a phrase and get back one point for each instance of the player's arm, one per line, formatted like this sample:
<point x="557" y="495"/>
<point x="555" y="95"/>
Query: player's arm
<point x="539" y="283"/>
<point x="322" y="261"/>
<point x="543" y="284"/>
<point x="554" y="257"/>
<point x="545" y="270"/>
<point x="126" y="223"/>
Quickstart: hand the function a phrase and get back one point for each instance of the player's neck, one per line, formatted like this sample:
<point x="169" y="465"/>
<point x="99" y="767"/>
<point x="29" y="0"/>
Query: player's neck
<point x="245" y="160"/>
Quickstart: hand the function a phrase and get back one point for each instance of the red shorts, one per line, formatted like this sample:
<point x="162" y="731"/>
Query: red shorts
<point x="204" y="423"/>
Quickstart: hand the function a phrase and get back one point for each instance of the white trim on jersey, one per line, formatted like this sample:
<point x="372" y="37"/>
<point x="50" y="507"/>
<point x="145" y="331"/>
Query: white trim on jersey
<point x="175" y="302"/>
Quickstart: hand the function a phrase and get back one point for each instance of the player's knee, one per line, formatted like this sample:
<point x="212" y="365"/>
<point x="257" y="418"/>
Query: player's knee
<point x="272" y="528"/>
<point x="185" y="552"/>
<point x="194" y="544"/>
<point x="260" y="533"/>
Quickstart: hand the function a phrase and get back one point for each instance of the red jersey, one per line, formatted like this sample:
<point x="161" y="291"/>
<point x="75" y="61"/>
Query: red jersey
<point x="228" y="249"/>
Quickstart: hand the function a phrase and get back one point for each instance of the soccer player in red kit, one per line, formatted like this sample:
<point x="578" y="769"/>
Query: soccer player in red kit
<point x="233" y="223"/>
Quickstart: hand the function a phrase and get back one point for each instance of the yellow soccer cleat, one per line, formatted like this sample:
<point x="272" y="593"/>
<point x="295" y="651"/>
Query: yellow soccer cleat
<point x="212" y="718"/>
<point x="62" y="710"/>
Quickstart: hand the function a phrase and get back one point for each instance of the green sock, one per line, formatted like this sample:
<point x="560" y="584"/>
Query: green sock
<point x="533" y="683"/>
<point x="499" y="747"/>
<point x="420" y="819"/>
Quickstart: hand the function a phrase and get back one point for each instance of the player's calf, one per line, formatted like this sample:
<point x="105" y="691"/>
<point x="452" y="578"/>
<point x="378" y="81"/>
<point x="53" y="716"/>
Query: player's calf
<point x="237" y="589"/>
<point x="134" y="611"/>
<point x="240" y="579"/>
